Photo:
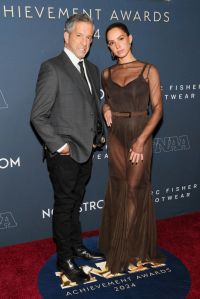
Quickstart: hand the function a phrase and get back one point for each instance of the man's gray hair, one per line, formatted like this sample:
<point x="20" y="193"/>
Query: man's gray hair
<point x="79" y="17"/>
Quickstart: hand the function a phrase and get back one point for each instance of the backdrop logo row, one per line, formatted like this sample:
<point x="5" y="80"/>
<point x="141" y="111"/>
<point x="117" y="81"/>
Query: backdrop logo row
<point x="29" y="12"/>
<point x="165" y="144"/>
<point x="160" y="195"/>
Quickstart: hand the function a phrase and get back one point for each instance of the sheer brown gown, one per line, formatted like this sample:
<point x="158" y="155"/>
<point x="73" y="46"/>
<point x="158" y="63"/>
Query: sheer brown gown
<point x="128" y="230"/>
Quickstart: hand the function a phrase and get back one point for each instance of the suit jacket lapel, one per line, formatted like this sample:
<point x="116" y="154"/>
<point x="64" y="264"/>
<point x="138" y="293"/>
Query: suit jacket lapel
<point x="72" y="71"/>
<point x="90" y="77"/>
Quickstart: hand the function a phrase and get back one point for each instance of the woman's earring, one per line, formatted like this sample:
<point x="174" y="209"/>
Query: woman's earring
<point x="112" y="56"/>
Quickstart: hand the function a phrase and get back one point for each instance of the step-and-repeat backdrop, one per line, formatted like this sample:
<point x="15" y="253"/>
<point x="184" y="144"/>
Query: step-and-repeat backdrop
<point x="165" y="33"/>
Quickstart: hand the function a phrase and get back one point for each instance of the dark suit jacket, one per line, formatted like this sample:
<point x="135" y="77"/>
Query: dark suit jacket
<point x="64" y="111"/>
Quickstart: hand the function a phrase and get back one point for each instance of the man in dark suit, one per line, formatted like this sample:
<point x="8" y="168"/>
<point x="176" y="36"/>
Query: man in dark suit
<point x="65" y="115"/>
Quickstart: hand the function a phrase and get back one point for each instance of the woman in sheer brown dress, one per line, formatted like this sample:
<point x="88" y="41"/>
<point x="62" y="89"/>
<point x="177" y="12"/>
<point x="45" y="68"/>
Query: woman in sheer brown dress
<point x="128" y="230"/>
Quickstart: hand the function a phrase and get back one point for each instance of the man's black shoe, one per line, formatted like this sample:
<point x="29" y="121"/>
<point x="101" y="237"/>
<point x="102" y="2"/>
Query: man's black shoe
<point x="87" y="254"/>
<point x="72" y="271"/>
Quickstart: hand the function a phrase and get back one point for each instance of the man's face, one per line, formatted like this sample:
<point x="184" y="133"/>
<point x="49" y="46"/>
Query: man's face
<point x="79" y="39"/>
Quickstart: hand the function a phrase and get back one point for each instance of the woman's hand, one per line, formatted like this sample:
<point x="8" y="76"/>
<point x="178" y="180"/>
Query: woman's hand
<point x="136" y="152"/>
<point x="108" y="117"/>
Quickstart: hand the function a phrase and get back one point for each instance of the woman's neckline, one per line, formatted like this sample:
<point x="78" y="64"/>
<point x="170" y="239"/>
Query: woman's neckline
<point x="127" y="62"/>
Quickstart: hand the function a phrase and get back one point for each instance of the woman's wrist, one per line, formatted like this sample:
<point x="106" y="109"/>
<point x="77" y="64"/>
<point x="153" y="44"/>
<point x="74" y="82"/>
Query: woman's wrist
<point x="106" y="108"/>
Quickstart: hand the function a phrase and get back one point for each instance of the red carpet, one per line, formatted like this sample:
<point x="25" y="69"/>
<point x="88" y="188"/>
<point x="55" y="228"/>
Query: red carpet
<point x="20" y="264"/>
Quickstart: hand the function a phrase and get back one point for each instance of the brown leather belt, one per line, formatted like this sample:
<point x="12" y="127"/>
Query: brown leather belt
<point x="129" y="114"/>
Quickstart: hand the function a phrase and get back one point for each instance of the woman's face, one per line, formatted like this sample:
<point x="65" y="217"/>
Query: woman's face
<point x="119" y="42"/>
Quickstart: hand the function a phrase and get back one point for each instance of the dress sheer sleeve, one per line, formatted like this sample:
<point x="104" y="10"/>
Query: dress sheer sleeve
<point x="156" y="103"/>
<point x="104" y="79"/>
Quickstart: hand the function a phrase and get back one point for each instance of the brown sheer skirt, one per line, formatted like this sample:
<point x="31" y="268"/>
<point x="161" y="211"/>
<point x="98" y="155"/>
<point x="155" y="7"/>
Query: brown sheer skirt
<point x="128" y="230"/>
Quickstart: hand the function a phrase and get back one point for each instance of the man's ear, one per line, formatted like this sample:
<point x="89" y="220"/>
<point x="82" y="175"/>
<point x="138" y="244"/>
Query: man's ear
<point x="66" y="37"/>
